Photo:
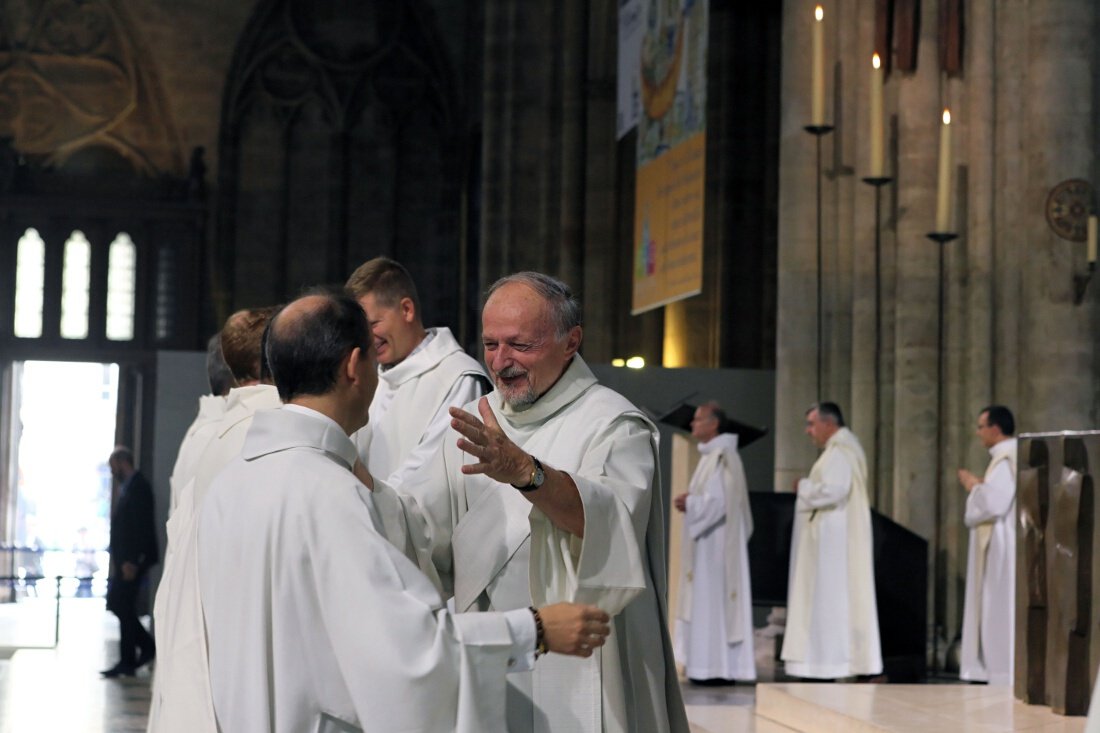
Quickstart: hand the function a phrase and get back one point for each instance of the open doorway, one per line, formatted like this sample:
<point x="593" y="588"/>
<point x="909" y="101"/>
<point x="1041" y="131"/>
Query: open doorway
<point x="63" y="417"/>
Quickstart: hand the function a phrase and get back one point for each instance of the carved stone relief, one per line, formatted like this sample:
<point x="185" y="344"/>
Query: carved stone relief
<point x="72" y="78"/>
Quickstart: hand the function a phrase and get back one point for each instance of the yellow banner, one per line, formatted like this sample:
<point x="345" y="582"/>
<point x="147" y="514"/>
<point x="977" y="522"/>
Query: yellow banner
<point x="668" y="222"/>
<point x="671" y="162"/>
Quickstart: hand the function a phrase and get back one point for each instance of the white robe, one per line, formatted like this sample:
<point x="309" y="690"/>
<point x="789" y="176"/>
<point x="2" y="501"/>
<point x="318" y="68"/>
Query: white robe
<point x="211" y="409"/>
<point x="988" y="634"/>
<point x="181" y="689"/>
<point x="314" y="620"/>
<point x="408" y="415"/>
<point x="502" y="553"/>
<point x="229" y="435"/>
<point x="714" y="633"/>
<point x="1092" y="722"/>
<point x="832" y="619"/>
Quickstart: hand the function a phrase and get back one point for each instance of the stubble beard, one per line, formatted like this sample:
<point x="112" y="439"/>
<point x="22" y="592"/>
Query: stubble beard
<point x="517" y="397"/>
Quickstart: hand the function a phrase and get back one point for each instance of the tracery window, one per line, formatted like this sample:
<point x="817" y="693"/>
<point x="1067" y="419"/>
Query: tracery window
<point x="29" y="282"/>
<point x="121" y="288"/>
<point x="76" y="277"/>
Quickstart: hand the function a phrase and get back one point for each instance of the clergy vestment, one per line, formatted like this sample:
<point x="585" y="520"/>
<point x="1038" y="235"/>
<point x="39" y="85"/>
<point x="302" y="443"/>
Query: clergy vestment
<point x="988" y="634"/>
<point x="501" y="552"/>
<point x="211" y="409"/>
<point x="408" y="415"/>
<point x="832" y="619"/>
<point x="714" y="634"/>
<point x="181" y="688"/>
<point x="315" y="622"/>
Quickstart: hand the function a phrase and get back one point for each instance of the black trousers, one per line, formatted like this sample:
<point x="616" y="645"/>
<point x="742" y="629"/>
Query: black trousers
<point x="122" y="598"/>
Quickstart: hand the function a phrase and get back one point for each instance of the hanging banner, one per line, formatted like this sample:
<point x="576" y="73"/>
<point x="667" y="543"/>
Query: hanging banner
<point x="628" y="98"/>
<point x="669" y="187"/>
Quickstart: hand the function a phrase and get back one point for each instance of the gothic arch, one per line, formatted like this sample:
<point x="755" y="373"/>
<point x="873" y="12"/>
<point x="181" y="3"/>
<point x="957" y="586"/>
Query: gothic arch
<point x="340" y="140"/>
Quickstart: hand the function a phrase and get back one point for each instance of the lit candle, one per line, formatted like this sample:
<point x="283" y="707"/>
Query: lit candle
<point x="876" y="117"/>
<point x="1092" y="238"/>
<point x="943" y="191"/>
<point x="818" y="110"/>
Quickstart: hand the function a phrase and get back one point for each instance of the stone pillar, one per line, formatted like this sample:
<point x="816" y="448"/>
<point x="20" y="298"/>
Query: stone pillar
<point x="916" y="346"/>
<point x="1059" y="134"/>
<point x="796" y="347"/>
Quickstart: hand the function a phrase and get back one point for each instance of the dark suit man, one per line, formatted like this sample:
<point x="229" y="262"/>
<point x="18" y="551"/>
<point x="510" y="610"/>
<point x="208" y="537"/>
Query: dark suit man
<point x="134" y="550"/>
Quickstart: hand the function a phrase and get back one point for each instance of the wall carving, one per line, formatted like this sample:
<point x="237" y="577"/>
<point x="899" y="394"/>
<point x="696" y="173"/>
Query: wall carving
<point x="73" y="78"/>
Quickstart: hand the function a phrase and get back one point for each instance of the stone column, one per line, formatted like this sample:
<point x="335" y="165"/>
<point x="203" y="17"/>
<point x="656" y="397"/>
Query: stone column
<point x="796" y="347"/>
<point x="1056" y="379"/>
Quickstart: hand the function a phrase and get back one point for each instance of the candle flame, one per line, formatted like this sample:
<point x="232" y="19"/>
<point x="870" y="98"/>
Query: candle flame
<point x="946" y="116"/>
<point x="875" y="61"/>
<point x="819" y="13"/>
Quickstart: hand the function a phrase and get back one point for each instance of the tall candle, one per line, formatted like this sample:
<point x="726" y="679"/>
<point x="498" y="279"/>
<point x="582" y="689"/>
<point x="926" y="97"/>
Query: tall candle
<point x="817" y="116"/>
<point x="877" y="141"/>
<point x="1092" y="238"/>
<point x="943" y="190"/>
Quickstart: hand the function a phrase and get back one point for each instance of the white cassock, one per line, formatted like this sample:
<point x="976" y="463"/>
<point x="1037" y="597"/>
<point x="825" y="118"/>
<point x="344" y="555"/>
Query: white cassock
<point x="988" y="633"/>
<point x="714" y="635"/>
<point x="181" y="688"/>
<point x="211" y="409"/>
<point x="832" y="619"/>
<point x="502" y="553"/>
<point x="1092" y="722"/>
<point x="315" y="622"/>
<point x="408" y="415"/>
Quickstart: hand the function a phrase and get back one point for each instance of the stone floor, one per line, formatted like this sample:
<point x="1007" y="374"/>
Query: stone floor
<point x="48" y="689"/>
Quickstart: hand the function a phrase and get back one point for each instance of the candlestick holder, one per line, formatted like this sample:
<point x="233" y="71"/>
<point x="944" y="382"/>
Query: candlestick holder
<point x="938" y="603"/>
<point x="1081" y="284"/>
<point x="878" y="182"/>
<point x="819" y="131"/>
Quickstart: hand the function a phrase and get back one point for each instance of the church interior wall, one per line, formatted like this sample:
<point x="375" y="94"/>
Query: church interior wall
<point x="1023" y="120"/>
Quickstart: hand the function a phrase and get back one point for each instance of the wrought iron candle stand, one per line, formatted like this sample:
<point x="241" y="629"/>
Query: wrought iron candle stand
<point x="878" y="182"/>
<point x="940" y="238"/>
<point x="819" y="131"/>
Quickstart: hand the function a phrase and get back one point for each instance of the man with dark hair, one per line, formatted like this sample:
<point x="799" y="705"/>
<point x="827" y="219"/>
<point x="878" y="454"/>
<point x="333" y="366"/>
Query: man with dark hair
<point x="832" y="618"/>
<point x="211" y="410"/>
<point x="552" y="493"/>
<point x="714" y="633"/>
<point x="314" y="620"/>
<point x="988" y="633"/>
<point x="421" y="372"/>
<point x="134" y="550"/>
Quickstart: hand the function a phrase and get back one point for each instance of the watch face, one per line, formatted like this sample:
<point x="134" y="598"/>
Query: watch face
<point x="1068" y="207"/>
<point x="539" y="476"/>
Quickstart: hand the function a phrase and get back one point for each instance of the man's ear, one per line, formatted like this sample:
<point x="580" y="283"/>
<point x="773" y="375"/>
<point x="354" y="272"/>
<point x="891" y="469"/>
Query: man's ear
<point x="573" y="341"/>
<point x="350" y="366"/>
<point x="408" y="310"/>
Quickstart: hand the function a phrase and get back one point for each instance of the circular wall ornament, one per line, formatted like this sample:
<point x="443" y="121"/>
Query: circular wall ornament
<point x="1068" y="207"/>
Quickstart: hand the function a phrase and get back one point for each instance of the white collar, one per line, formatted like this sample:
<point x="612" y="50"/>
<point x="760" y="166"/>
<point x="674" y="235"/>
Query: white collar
<point x="720" y="442"/>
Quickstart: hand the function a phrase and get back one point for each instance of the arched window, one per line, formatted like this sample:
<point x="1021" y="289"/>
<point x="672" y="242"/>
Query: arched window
<point x="76" y="275"/>
<point x="29" y="281"/>
<point x="121" y="288"/>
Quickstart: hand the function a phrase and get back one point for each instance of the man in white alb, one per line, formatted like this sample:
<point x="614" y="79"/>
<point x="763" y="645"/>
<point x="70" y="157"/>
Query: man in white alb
<point x="714" y="633"/>
<point x="181" y="689"/>
<point x="421" y="372"/>
<point x="553" y="494"/>
<point x="832" y="617"/>
<point x="988" y="634"/>
<point x="211" y="409"/>
<point x="315" y="622"/>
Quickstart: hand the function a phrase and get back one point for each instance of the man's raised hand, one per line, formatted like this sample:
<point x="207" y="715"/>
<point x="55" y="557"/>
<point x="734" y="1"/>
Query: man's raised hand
<point x="498" y="457"/>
